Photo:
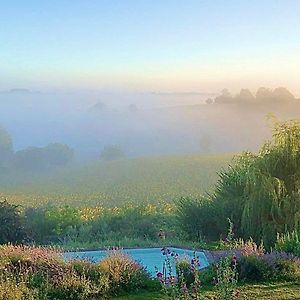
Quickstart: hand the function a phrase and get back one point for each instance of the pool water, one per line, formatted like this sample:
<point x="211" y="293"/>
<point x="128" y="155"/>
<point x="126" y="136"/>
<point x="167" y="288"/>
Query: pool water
<point x="150" y="258"/>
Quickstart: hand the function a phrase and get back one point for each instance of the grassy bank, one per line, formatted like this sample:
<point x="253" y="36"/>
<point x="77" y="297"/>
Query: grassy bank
<point x="274" y="291"/>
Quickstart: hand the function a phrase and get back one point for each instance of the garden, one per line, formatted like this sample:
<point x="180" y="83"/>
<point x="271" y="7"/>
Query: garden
<point x="247" y="226"/>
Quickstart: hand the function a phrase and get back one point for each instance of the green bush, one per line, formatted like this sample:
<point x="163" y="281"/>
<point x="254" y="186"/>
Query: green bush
<point x="288" y="242"/>
<point x="208" y="275"/>
<point x="254" y="268"/>
<point x="12" y="224"/>
<point x="183" y="270"/>
<point x="41" y="274"/>
<point x="288" y="270"/>
<point x="274" y="266"/>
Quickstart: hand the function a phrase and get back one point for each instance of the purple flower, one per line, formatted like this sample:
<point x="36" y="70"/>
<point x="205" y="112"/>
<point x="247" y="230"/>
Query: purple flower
<point x="159" y="274"/>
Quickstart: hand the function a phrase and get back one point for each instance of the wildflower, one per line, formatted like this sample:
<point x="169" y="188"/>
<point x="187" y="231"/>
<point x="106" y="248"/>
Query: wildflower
<point x="184" y="289"/>
<point x="159" y="275"/>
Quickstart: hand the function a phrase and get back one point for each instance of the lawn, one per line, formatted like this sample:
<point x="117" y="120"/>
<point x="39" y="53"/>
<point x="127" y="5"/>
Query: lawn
<point x="276" y="291"/>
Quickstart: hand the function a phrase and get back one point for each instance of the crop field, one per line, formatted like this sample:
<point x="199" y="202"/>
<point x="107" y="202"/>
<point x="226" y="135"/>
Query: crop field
<point x="114" y="183"/>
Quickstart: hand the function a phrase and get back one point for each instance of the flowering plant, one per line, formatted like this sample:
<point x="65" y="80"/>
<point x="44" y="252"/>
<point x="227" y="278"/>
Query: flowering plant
<point x="178" y="287"/>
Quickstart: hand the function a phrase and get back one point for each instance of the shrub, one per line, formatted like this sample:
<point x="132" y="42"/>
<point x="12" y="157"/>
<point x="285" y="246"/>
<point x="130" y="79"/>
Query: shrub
<point x="285" y="266"/>
<point x="208" y="275"/>
<point x="125" y="275"/>
<point x="183" y="269"/>
<point x="269" y="267"/>
<point x="253" y="268"/>
<point x="10" y="289"/>
<point x="12" y="224"/>
<point x="288" y="242"/>
<point x="226" y="279"/>
<point x="36" y="273"/>
<point x="188" y="285"/>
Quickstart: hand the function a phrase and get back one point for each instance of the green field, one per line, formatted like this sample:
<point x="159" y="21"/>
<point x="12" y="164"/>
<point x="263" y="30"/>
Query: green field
<point x="139" y="180"/>
<point x="276" y="291"/>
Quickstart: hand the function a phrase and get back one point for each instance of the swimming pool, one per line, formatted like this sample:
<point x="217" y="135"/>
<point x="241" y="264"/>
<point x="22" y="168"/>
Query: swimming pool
<point x="150" y="258"/>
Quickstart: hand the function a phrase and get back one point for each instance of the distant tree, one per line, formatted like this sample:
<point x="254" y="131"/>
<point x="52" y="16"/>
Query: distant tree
<point x="132" y="107"/>
<point x="12" y="224"/>
<point x="245" y="96"/>
<point x="58" y="154"/>
<point x="99" y="106"/>
<point x="283" y="94"/>
<point x="30" y="159"/>
<point x="112" y="152"/>
<point x="209" y="101"/>
<point x="225" y="97"/>
<point x="264" y="95"/>
<point x="6" y="148"/>
<point x="42" y="158"/>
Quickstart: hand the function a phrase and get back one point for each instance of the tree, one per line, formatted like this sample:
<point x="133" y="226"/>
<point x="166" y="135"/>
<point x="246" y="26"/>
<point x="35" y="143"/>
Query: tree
<point x="225" y="97"/>
<point x="283" y="94"/>
<point x="264" y="95"/>
<point x="245" y="96"/>
<point x="132" y="107"/>
<point x="42" y="158"/>
<point x="6" y="148"/>
<point x="58" y="154"/>
<point x="12" y="224"/>
<point x="272" y="185"/>
<point x="112" y="152"/>
<point x="260" y="192"/>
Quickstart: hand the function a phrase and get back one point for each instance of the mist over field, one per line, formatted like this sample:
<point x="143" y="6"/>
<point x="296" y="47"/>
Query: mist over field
<point x="142" y="124"/>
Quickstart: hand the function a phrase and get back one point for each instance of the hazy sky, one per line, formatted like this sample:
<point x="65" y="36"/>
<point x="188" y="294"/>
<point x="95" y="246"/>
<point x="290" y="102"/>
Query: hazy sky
<point x="149" y="45"/>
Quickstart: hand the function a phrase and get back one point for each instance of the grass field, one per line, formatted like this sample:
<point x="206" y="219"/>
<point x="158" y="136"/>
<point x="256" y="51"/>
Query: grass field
<point x="276" y="291"/>
<point x="140" y="180"/>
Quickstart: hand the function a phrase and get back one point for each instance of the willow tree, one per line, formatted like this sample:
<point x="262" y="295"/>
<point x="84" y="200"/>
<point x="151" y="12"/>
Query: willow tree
<point x="272" y="185"/>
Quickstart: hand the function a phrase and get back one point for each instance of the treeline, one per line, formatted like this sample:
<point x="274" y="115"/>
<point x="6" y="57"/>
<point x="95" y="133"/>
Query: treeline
<point x="44" y="158"/>
<point x="263" y="96"/>
<point x="32" y="158"/>
<point x="259" y="193"/>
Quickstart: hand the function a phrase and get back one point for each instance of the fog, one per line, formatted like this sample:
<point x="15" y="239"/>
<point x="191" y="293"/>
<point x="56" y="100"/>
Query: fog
<point x="142" y="124"/>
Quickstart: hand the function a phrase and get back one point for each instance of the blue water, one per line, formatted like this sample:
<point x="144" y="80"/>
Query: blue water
<point x="150" y="258"/>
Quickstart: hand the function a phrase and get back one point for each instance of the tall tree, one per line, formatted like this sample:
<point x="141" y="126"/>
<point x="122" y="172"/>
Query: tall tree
<point x="6" y="148"/>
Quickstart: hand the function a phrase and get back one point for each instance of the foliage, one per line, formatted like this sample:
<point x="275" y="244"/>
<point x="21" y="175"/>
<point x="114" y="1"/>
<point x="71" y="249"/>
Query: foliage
<point x="12" y="224"/>
<point x="112" y="152"/>
<point x="124" y="274"/>
<point x="288" y="242"/>
<point x="259" y="193"/>
<point x="187" y="283"/>
<point x="178" y="287"/>
<point x="272" y="266"/>
<point x="6" y="148"/>
<point x="37" y="273"/>
<point x="227" y="278"/>
<point x="43" y="158"/>
<point x="263" y="96"/>
<point x="67" y="225"/>
<point x="253" y="268"/>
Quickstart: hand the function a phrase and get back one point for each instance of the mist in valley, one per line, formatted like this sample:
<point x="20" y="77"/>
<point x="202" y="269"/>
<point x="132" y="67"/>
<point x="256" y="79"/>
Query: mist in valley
<point x="144" y="124"/>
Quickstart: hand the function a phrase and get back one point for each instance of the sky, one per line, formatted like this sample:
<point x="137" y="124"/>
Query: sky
<point x="143" y="45"/>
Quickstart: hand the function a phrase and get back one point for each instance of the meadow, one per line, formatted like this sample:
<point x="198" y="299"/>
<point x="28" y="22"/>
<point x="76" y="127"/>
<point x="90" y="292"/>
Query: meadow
<point x="115" y="183"/>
